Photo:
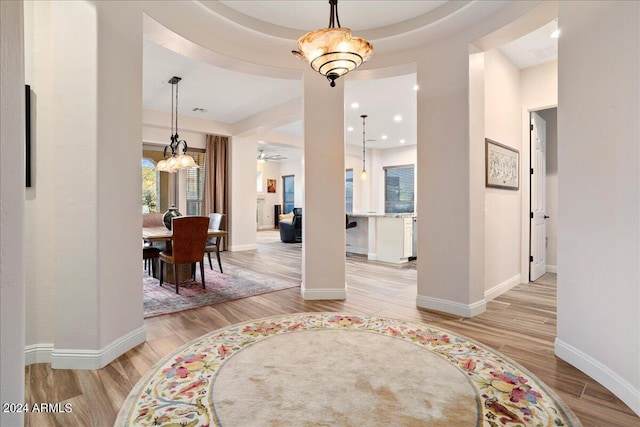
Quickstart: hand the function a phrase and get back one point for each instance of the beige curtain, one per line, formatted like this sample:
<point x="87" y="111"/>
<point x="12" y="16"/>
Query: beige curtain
<point x="216" y="198"/>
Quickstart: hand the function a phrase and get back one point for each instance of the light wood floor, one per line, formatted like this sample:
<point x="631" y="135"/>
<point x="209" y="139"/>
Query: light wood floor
<point x="520" y="323"/>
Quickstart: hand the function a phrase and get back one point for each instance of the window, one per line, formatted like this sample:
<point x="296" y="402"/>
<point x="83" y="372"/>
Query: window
<point x="150" y="186"/>
<point x="259" y="182"/>
<point x="155" y="185"/>
<point x="195" y="183"/>
<point x="398" y="189"/>
<point x="349" y="191"/>
<point x="288" y="201"/>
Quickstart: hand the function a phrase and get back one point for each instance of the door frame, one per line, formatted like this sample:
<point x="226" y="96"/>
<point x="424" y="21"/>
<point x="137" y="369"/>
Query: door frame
<point x="525" y="185"/>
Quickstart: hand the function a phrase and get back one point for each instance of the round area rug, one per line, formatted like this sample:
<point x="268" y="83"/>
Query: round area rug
<point x="328" y="369"/>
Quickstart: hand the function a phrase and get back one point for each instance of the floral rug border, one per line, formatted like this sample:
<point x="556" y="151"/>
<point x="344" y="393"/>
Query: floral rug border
<point x="176" y="390"/>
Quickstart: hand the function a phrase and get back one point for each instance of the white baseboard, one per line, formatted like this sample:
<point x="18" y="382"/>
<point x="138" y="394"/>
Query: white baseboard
<point x="38" y="353"/>
<point x="372" y="256"/>
<point x="451" y="307"/>
<point x="551" y="268"/>
<point x="96" y="359"/>
<point x="601" y="373"/>
<point x="323" y="294"/>
<point x="501" y="288"/>
<point x="247" y="247"/>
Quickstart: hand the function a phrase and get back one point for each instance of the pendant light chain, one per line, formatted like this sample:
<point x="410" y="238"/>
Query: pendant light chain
<point x="176" y="85"/>
<point x="364" y="169"/>
<point x="333" y="17"/>
<point x="172" y="109"/>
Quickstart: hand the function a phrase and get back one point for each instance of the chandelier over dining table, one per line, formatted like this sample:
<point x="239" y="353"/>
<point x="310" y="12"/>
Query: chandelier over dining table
<point x="176" y="160"/>
<point x="332" y="51"/>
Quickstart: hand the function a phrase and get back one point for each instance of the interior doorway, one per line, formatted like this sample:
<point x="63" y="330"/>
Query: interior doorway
<point x="543" y="192"/>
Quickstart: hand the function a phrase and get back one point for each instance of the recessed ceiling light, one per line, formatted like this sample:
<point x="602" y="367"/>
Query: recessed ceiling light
<point x="350" y="129"/>
<point x="402" y="141"/>
<point x="555" y="34"/>
<point x="416" y="87"/>
<point x="384" y="137"/>
<point x="355" y="105"/>
<point x="397" y="118"/>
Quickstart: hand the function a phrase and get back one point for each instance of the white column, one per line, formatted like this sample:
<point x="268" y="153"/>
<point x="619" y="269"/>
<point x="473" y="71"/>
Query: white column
<point x="451" y="216"/>
<point x="323" y="237"/>
<point x="599" y="194"/>
<point x="85" y="204"/>
<point x="11" y="210"/>
<point x="242" y="197"/>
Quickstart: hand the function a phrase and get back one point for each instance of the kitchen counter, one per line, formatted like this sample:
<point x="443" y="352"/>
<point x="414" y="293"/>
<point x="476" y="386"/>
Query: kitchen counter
<point x="378" y="215"/>
<point x="382" y="237"/>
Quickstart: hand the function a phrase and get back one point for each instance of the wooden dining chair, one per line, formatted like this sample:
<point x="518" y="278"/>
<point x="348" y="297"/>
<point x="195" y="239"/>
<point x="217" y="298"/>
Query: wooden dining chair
<point x="150" y="255"/>
<point x="213" y="243"/>
<point x="188" y="240"/>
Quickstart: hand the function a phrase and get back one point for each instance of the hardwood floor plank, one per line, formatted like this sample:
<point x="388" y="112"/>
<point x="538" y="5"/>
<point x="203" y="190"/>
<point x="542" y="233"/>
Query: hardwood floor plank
<point x="598" y="395"/>
<point x="95" y="393"/>
<point x="164" y="346"/>
<point x="52" y="385"/>
<point x="521" y="324"/>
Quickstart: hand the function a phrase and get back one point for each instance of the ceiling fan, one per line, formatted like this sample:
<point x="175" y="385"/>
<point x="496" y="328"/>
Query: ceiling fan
<point x="262" y="156"/>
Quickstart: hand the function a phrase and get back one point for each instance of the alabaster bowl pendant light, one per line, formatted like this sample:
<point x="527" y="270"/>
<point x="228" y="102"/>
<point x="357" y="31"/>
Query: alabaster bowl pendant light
<point x="332" y="51"/>
<point x="363" y="174"/>
<point x="176" y="160"/>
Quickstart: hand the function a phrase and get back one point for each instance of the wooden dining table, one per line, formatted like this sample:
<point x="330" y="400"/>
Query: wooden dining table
<point x="161" y="234"/>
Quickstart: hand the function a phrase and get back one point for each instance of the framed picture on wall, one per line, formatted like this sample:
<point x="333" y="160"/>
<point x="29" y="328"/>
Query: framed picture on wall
<point x="502" y="166"/>
<point x="271" y="185"/>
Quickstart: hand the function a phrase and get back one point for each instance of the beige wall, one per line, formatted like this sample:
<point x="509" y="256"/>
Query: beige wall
<point x="270" y="170"/>
<point x="503" y="214"/>
<point x="540" y="86"/>
<point x="599" y="193"/>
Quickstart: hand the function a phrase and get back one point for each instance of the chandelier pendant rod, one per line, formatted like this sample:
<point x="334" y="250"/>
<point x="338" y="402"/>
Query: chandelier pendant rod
<point x="364" y="169"/>
<point x="176" y="110"/>
<point x="333" y="18"/>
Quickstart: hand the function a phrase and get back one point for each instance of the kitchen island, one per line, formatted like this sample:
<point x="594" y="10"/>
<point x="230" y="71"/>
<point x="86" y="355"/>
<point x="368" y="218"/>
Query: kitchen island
<point x="382" y="237"/>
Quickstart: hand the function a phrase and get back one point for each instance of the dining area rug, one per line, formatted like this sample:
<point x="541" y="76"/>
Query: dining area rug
<point x="339" y="369"/>
<point x="235" y="283"/>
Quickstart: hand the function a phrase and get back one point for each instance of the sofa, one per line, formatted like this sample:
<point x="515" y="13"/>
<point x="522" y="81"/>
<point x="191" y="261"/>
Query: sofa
<point x="291" y="230"/>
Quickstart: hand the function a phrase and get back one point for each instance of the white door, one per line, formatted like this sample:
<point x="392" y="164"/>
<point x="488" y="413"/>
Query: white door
<point x="537" y="262"/>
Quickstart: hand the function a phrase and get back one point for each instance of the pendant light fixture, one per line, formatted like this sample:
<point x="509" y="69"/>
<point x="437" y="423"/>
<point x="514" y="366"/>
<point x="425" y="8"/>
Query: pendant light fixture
<point x="332" y="51"/>
<point x="176" y="160"/>
<point x="363" y="174"/>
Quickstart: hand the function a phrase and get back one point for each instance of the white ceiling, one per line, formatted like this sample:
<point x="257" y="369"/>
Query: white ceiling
<point x="230" y="96"/>
<point x="227" y="96"/>
<point x="534" y="49"/>
<point x="308" y="15"/>
<point x="382" y="100"/>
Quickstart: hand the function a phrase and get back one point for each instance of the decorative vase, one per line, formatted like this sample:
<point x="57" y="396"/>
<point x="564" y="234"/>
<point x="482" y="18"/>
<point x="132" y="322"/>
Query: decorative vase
<point x="169" y="215"/>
